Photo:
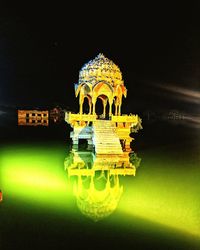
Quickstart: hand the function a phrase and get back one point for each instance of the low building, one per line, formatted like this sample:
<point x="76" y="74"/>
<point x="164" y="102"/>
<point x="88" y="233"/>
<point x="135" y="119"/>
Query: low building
<point x="33" y="117"/>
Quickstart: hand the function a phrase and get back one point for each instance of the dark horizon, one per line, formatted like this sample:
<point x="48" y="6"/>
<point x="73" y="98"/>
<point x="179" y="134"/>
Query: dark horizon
<point x="43" y="49"/>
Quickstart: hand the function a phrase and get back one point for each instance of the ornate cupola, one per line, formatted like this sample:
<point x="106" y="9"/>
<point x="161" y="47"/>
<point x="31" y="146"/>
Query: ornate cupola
<point x="101" y="78"/>
<point x="100" y="69"/>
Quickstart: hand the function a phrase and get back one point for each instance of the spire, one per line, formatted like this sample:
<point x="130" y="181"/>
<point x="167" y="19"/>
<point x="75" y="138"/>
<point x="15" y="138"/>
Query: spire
<point x="101" y="55"/>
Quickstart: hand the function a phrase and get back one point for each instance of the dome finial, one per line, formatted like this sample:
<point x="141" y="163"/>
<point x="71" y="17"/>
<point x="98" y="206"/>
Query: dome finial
<point x="101" y="55"/>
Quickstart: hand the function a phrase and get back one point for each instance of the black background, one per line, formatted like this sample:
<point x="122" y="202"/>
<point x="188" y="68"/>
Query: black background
<point x="43" y="47"/>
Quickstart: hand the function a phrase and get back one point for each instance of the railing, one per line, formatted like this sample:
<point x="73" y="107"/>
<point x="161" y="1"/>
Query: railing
<point x="91" y="172"/>
<point x="70" y="118"/>
<point x="125" y="118"/>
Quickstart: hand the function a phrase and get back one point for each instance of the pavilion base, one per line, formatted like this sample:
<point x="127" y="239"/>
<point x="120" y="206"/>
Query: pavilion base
<point x="111" y="137"/>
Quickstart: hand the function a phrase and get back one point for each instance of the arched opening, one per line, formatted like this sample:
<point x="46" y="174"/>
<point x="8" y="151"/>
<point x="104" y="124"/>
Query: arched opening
<point x="99" y="106"/>
<point x="113" y="180"/>
<point x="85" y="106"/>
<point x="103" y="91"/>
<point x="86" y="180"/>
<point x="102" y="106"/>
<point x="100" y="180"/>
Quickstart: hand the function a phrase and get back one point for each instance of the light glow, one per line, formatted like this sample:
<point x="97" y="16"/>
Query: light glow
<point x="168" y="196"/>
<point x="165" y="189"/>
<point x="35" y="175"/>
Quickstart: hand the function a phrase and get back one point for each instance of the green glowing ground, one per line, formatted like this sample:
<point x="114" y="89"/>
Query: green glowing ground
<point x="162" y="198"/>
<point x="35" y="175"/>
<point x="166" y="190"/>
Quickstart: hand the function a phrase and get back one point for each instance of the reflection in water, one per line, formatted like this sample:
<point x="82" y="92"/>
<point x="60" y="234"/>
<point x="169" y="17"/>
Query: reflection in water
<point x="96" y="180"/>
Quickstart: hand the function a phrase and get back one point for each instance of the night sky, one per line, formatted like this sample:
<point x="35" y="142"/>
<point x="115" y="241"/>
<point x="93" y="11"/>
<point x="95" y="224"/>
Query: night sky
<point x="157" y="47"/>
<point x="42" y="49"/>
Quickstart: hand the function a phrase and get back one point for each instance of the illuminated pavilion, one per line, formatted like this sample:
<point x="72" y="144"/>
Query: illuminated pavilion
<point x="109" y="132"/>
<point x="101" y="78"/>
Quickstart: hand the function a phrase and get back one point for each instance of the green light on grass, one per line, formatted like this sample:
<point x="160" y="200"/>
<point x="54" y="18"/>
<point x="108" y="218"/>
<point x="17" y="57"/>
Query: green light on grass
<point x="35" y="175"/>
<point x="163" y="191"/>
<point x="167" y="195"/>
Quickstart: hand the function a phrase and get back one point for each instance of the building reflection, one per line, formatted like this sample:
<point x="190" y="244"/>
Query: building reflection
<point x="96" y="180"/>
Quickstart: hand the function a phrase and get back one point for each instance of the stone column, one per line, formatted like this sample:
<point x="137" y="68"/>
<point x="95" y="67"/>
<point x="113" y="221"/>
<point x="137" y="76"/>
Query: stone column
<point x="110" y="107"/>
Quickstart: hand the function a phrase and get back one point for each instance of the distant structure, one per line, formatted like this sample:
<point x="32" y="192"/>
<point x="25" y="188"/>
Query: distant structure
<point x="100" y="79"/>
<point x="40" y="117"/>
<point x="57" y="114"/>
<point x="33" y="118"/>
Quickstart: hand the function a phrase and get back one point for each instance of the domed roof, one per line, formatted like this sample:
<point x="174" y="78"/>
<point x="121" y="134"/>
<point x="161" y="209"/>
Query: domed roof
<point x="100" y="69"/>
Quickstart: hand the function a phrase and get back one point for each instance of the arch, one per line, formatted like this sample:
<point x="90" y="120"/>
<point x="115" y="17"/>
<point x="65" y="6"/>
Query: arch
<point x="100" y="83"/>
<point x="77" y="88"/>
<point x="89" y="98"/>
<point x="119" y="91"/>
<point x="104" y="100"/>
<point x="105" y="89"/>
<point x="99" y="106"/>
<point x="87" y="88"/>
<point x="87" y="104"/>
<point x="83" y="90"/>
